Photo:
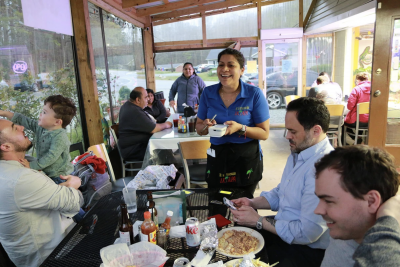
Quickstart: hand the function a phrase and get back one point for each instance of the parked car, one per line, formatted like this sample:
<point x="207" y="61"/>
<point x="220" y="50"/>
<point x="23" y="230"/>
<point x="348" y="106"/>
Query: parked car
<point x="24" y="86"/>
<point x="200" y="67"/>
<point x="207" y="68"/>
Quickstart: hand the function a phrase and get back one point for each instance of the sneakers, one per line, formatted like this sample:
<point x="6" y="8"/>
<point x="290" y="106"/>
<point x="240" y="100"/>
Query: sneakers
<point x="349" y="140"/>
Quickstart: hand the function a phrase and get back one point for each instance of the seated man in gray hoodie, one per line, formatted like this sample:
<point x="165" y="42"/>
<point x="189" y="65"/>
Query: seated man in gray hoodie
<point x="352" y="182"/>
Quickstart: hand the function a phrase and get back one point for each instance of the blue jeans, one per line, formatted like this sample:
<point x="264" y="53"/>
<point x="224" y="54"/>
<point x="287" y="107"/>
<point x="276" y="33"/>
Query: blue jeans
<point x="78" y="217"/>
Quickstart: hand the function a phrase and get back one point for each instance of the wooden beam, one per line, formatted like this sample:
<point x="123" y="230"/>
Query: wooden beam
<point x="134" y="3"/>
<point x="220" y="40"/>
<point x="304" y="67"/>
<point x="171" y="6"/>
<point x="149" y="54"/>
<point x="310" y="10"/>
<point x="211" y="9"/>
<point x="259" y="19"/>
<point x="204" y="29"/>
<point x="301" y="13"/>
<point x="116" y="9"/>
<point x="182" y="47"/>
<point x="86" y="67"/>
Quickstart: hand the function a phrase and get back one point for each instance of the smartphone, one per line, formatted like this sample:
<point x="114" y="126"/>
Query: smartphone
<point x="229" y="203"/>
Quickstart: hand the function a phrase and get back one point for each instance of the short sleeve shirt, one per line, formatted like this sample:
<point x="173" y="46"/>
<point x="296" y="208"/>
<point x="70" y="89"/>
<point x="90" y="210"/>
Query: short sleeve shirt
<point x="249" y="108"/>
<point x="135" y="127"/>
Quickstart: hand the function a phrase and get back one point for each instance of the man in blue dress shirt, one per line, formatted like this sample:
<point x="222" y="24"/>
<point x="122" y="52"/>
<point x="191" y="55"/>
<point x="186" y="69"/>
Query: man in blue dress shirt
<point x="296" y="236"/>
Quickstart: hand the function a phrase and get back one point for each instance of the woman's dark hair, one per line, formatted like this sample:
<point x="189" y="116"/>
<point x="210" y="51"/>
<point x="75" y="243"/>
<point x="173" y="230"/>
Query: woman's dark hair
<point x="310" y="112"/>
<point x="362" y="76"/>
<point x="150" y="91"/>
<point x="237" y="54"/>
<point x="188" y="63"/>
<point x="362" y="169"/>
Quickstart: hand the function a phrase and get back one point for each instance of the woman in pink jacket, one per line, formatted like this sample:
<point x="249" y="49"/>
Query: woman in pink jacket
<point x="361" y="93"/>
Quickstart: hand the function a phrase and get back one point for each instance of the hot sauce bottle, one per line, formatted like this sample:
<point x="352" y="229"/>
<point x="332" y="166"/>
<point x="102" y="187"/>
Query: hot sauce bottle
<point x="148" y="229"/>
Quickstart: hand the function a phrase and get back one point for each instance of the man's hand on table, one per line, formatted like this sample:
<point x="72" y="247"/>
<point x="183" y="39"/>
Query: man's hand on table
<point x="243" y="201"/>
<point x="245" y="215"/>
<point x="71" y="181"/>
<point x="169" y="124"/>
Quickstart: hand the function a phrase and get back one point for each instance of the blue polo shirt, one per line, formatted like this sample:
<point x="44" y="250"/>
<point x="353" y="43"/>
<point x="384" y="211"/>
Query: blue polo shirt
<point x="249" y="108"/>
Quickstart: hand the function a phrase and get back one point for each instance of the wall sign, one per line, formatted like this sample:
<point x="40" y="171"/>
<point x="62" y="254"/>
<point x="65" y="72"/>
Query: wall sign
<point x="20" y="67"/>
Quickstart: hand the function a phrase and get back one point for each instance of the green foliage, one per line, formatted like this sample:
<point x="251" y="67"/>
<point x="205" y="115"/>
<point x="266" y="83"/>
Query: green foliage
<point x="359" y="70"/>
<point x="124" y="93"/>
<point x="322" y="67"/>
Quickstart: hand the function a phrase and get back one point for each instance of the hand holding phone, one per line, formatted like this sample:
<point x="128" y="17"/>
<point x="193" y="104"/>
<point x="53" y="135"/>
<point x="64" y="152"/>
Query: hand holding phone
<point x="229" y="204"/>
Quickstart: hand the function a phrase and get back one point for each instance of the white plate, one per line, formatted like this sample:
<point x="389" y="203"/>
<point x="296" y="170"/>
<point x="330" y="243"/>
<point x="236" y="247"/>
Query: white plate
<point x="244" y="229"/>
<point x="231" y="262"/>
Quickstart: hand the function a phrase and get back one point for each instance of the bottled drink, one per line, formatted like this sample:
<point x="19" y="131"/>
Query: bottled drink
<point x="152" y="208"/>
<point x="125" y="227"/>
<point x="196" y="108"/>
<point x="153" y="211"/>
<point x="180" y="124"/>
<point x="167" y="224"/>
<point x="148" y="229"/>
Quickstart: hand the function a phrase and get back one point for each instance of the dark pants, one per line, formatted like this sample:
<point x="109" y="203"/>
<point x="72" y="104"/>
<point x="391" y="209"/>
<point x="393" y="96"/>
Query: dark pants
<point x="290" y="255"/>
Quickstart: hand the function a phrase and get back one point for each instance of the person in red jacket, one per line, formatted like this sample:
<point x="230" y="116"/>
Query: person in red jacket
<point x="361" y="93"/>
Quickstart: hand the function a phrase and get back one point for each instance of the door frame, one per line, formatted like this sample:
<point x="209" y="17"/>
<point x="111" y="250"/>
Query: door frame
<point x="386" y="14"/>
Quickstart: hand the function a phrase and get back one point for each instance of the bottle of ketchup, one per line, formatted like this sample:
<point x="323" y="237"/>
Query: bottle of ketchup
<point x="148" y="229"/>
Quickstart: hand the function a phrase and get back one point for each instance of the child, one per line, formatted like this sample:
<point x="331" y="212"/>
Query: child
<point x="52" y="143"/>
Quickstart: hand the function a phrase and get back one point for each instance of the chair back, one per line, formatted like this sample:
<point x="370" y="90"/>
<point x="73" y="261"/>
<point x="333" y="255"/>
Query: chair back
<point x="101" y="152"/>
<point x="362" y="108"/>
<point x="115" y="127"/>
<point x="194" y="149"/>
<point x="335" y="110"/>
<point x="77" y="147"/>
<point x="290" y="98"/>
<point x="114" y="135"/>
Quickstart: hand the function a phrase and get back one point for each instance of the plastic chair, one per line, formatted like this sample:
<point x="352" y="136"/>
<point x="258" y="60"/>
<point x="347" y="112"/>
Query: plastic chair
<point x="77" y="147"/>
<point x="362" y="108"/>
<point x="101" y="152"/>
<point x="335" y="124"/>
<point x="194" y="150"/>
<point x="288" y="99"/>
<point x="125" y="164"/>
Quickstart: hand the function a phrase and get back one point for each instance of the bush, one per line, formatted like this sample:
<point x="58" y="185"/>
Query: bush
<point x="124" y="93"/>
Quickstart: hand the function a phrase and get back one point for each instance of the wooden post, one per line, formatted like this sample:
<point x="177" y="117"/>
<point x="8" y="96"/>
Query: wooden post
<point x="149" y="54"/>
<point x="261" y="83"/>
<point x="301" y="13"/>
<point x="204" y="28"/>
<point x="87" y="74"/>
<point x="304" y="70"/>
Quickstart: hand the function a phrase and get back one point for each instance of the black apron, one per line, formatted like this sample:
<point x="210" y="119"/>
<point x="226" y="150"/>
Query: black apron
<point x="234" y="165"/>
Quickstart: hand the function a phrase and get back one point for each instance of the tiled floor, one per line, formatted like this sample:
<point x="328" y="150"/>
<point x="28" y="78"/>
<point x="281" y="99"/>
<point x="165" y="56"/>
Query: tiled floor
<point x="276" y="151"/>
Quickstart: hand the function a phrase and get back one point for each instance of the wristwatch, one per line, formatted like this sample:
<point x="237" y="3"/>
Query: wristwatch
<point x="242" y="131"/>
<point x="259" y="225"/>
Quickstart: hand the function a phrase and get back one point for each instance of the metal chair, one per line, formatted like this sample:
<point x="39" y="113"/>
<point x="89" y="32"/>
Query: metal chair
<point x="77" y="147"/>
<point x="194" y="150"/>
<point x="126" y="165"/>
<point x="101" y="152"/>
<point x="362" y="108"/>
<point x="288" y="99"/>
<point x="335" y="124"/>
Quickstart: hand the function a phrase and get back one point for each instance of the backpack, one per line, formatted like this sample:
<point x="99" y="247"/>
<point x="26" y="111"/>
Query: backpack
<point x="94" y="185"/>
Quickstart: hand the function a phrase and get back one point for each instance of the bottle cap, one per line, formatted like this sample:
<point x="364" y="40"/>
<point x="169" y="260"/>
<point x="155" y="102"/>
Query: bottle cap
<point x="180" y="117"/>
<point x="147" y="215"/>
<point x="170" y="213"/>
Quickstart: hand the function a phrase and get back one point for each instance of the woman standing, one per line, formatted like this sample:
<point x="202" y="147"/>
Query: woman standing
<point x="189" y="87"/>
<point x="155" y="108"/>
<point x="237" y="161"/>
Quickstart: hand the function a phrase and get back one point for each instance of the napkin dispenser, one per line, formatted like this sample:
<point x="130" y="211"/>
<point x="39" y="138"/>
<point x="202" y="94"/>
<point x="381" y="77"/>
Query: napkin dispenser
<point x="217" y="130"/>
<point x="188" y="111"/>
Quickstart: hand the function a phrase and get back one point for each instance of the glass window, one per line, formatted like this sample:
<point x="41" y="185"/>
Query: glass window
<point x="241" y="23"/>
<point x="34" y="64"/>
<point x="124" y="57"/>
<point x="178" y="31"/>
<point x="319" y="58"/>
<point x="283" y="15"/>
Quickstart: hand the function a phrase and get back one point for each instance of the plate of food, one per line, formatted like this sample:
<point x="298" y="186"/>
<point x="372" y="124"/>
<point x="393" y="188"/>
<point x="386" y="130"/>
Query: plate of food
<point x="236" y="242"/>
<point x="256" y="263"/>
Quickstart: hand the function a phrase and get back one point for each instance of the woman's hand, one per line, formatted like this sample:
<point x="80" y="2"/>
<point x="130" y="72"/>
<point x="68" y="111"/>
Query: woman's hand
<point x="200" y="125"/>
<point x="233" y="127"/>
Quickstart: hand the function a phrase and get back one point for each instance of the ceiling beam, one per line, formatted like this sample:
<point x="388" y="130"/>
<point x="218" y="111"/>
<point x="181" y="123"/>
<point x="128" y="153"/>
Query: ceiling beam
<point x="134" y="3"/>
<point x="171" y="7"/>
<point x="195" y="12"/>
<point x="116" y="9"/>
<point x="199" y="46"/>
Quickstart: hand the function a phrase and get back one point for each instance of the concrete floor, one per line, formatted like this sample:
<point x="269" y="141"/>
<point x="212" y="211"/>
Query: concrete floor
<point x="276" y="151"/>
